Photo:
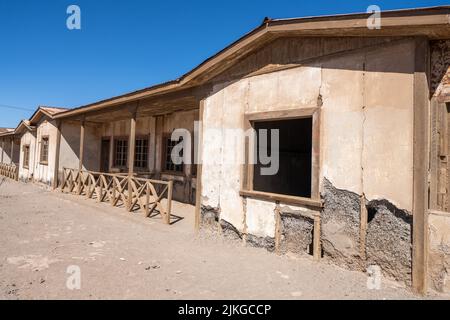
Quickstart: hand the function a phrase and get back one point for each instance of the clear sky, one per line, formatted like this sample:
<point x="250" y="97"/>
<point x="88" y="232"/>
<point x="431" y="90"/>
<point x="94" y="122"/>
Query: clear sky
<point x="127" y="45"/>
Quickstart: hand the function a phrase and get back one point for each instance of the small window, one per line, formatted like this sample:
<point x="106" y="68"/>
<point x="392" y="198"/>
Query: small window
<point x="26" y="156"/>
<point x="120" y="152"/>
<point x="44" y="150"/>
<point x="295" y="158"/>
<point x="167" y="159"/>
<point x="141" y="153"/>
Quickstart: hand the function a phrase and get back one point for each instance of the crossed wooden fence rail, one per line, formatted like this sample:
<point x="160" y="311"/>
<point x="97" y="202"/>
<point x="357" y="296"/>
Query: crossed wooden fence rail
<point x="9" y="170"/>
<point x="133" y="193"/>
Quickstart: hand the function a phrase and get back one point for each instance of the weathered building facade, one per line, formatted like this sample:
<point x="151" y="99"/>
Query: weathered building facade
<point x="362" y="116"/>
<point x="38" y="146"/>
<point x="9" y="152"/>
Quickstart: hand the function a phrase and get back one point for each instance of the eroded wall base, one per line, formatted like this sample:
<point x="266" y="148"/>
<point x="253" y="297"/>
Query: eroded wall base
<point x="341" y="226"/>
<point x="387" y="242"/>
<point x="296" y="234"/>
<point x="388" y="238"/>
<point x="439" y="257"/>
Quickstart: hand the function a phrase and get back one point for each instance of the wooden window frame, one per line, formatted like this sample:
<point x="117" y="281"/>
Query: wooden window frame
<point x="142" y="137"/>
<point x="115" y="139"/>
<point x="26" y="156"/>
<point x="165" y="137"/>
<point x="127" y="138"/>
<point x="247" y="169"/>
<point x="44" y="162"/>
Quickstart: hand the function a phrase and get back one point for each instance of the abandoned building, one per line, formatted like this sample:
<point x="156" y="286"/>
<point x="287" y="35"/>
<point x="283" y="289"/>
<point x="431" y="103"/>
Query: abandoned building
<point x="363" y="118"/>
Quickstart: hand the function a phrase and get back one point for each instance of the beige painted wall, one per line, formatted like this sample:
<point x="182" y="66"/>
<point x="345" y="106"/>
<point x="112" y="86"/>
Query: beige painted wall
<point x="5" y="153"/>
<point x="366" y="127"/>
<point x="44" y="172"/>
<point x="28" y="138"/>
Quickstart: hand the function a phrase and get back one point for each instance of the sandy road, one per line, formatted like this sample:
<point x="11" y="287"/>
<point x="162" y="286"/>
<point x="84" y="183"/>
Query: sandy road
<point x="125" y="256"/>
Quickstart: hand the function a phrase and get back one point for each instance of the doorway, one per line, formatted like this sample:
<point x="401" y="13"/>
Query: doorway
<point x="104" y="156"/>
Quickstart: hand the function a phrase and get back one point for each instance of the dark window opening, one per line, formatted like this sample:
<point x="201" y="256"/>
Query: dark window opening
<point x="141" y="153"/>
<point x="120" y="152"/>
<point x="168" y="163"/>
<point x="44" y="150"/>
<point x="26" y="156"/>
<point x="295" y="158"/>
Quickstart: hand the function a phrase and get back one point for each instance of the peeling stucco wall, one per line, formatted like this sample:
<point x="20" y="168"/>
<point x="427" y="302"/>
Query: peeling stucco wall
<point x="389" y="239"/>
<point x="439" y="256"/>
<point x="366" y="144"/>
<point x="340" y="226"/>
<point x="296" y="233"/>
<point x="440" y="68"/>
<point x="439" y="222"/>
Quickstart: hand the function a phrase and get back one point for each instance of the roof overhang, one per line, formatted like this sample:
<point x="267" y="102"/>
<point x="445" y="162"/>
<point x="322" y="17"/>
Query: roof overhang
<point x="7" y="134"/>
<point x="433" y="23"/>
<point x="49" y="112"/>
<point x="24" y="125"/>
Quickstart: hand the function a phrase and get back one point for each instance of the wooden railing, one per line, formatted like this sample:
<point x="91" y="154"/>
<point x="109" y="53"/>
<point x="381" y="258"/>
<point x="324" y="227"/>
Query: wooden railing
<point x="9" y="170"/>
<point x="133" y="193"/>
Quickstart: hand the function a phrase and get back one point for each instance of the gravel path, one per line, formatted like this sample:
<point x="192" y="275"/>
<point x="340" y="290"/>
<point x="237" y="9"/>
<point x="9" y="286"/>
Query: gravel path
<point x="43" y="234"/>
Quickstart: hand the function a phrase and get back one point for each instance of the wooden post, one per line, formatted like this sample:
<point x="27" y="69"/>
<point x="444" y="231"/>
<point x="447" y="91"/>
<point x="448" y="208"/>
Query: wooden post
<point x="199" y="160"/>
<point x="147" y="199"/>
<point x="111" y="152"/>
<point x="63" y="180"/>
<point x="12" y="150"/>
<point x="169" y="201"/>
<point x="80" y="164"/>
<point x="317" y="245"/>
<point x="277" y="228"/>
<point x="58" y="143"/>
<point x="131" y="147"/>
<point x="3" y="148"/>
<point x="420" y="168"/>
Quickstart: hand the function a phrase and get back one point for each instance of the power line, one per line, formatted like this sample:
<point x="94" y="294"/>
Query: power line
<point x="15" y="107"/>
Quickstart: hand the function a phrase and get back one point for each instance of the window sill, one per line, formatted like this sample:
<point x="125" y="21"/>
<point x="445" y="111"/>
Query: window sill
<point x="173" y="173"/>
<point x="292" y="200"/>
<point x="43" y="163"/>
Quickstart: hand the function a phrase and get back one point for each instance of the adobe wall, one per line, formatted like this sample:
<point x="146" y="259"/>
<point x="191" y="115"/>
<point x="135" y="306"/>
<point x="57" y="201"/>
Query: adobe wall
<point x="366" y="132"/>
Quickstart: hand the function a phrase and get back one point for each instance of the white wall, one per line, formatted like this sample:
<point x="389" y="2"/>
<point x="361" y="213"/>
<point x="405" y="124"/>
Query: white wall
<point x="366" y="127"/>
<point x="28" y="138"/>
<point x="44" y="172"/>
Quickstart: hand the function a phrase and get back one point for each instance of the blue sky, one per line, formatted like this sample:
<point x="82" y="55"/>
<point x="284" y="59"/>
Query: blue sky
<point x="126" y="45"/>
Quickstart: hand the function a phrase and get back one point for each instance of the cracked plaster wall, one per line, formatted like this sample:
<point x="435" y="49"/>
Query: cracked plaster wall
<point x="366" y="132"/>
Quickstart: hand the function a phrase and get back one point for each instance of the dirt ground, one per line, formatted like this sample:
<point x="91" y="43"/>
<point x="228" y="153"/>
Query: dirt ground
<point x="126" y="256"/>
